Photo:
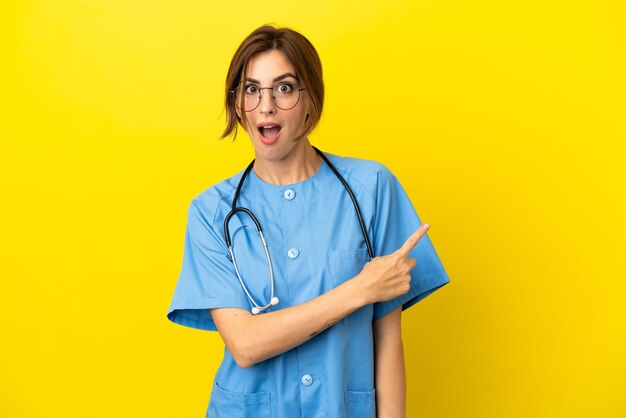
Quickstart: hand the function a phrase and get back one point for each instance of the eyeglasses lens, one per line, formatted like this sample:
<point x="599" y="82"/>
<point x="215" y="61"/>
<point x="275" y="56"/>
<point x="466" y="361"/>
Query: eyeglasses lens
<point x="284" y="100"/>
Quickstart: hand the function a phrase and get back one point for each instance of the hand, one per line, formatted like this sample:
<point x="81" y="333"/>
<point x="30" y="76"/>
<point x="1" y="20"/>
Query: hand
<point x="388" y="277"/>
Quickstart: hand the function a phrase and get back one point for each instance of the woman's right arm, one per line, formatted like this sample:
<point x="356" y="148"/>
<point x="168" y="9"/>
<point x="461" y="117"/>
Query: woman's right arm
<point x="254" y="338"/>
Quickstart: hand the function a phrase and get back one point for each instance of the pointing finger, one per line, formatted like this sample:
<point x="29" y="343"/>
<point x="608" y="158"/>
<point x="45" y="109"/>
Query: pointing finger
<point x="412" y="241"/>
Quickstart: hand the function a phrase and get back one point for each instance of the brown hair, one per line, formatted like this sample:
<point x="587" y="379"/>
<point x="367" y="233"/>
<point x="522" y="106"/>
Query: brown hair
<point x="302" y="55"/>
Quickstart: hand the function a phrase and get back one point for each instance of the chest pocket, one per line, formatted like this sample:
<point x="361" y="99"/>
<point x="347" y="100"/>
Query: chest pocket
<point x="344" y="265"/>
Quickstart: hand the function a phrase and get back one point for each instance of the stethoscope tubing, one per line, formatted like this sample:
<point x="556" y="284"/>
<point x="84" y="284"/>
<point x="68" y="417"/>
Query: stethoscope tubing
<point x="273" y="299"/>
<point x="370" y="251"/>
<point x="257" y="308"/>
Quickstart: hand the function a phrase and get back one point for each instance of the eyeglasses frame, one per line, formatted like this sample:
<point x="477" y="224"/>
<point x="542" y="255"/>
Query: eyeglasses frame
<point x="234" y="93"/>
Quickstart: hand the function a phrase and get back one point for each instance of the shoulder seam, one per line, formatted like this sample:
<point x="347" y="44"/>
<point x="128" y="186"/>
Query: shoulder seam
<point x="217" y="205"/>
<point x="344" y="172"/>
<point x="215" y="208"/>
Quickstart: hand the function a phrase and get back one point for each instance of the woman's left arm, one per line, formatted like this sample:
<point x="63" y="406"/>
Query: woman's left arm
<point x="389" y="358"/>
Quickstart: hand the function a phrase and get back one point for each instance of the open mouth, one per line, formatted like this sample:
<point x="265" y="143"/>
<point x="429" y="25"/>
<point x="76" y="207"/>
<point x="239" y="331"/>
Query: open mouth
<point x="269" y="131"/>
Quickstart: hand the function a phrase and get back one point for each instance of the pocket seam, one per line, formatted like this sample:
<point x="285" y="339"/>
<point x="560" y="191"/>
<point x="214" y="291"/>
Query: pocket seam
<point x="242" y="398"/>
<point x="360" y="396"/>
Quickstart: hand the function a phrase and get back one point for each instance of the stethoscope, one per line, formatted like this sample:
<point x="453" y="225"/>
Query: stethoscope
<point x="256" y="309"/>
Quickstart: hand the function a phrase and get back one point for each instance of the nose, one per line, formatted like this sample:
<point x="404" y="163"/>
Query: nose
<point x="267" y="105"/>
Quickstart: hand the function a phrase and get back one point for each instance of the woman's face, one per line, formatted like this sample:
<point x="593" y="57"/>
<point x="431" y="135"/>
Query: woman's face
<point x="274" y="132"/>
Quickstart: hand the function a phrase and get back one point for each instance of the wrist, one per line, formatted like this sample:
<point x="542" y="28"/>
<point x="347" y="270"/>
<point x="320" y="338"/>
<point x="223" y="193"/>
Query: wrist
<point x="358" y="294"/>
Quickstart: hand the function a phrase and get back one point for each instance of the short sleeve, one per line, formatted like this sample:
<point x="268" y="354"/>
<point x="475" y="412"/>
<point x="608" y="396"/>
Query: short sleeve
<point x="207" y="279"/>
<point x="395" y="220"/>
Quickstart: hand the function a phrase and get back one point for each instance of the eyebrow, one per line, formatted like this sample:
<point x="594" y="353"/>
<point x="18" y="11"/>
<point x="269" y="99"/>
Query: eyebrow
<point x="280" y="77"/>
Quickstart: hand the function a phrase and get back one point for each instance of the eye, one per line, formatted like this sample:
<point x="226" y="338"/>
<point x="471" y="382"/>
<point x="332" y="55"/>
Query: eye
<point x="283" y="88"/>
<point x="250" y="89"/>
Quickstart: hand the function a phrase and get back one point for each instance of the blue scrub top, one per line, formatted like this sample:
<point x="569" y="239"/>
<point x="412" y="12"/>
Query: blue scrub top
<point x="315" y="244"/>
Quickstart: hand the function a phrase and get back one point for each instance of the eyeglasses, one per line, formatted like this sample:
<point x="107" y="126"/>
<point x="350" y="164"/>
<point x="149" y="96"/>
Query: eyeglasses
<point x="285" y="96"/>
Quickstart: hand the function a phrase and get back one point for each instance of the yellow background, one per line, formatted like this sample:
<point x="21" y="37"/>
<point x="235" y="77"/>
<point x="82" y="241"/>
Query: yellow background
<point x="504" y="120"/>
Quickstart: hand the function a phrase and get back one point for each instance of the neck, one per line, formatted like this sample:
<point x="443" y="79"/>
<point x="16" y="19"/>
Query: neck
<point x="300" y="164"/>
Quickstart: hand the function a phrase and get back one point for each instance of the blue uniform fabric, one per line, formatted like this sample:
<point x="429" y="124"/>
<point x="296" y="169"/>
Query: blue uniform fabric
<point x="315" y="244"/>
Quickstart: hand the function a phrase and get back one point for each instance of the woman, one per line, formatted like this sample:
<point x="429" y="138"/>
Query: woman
<point x="312" y="325"/>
